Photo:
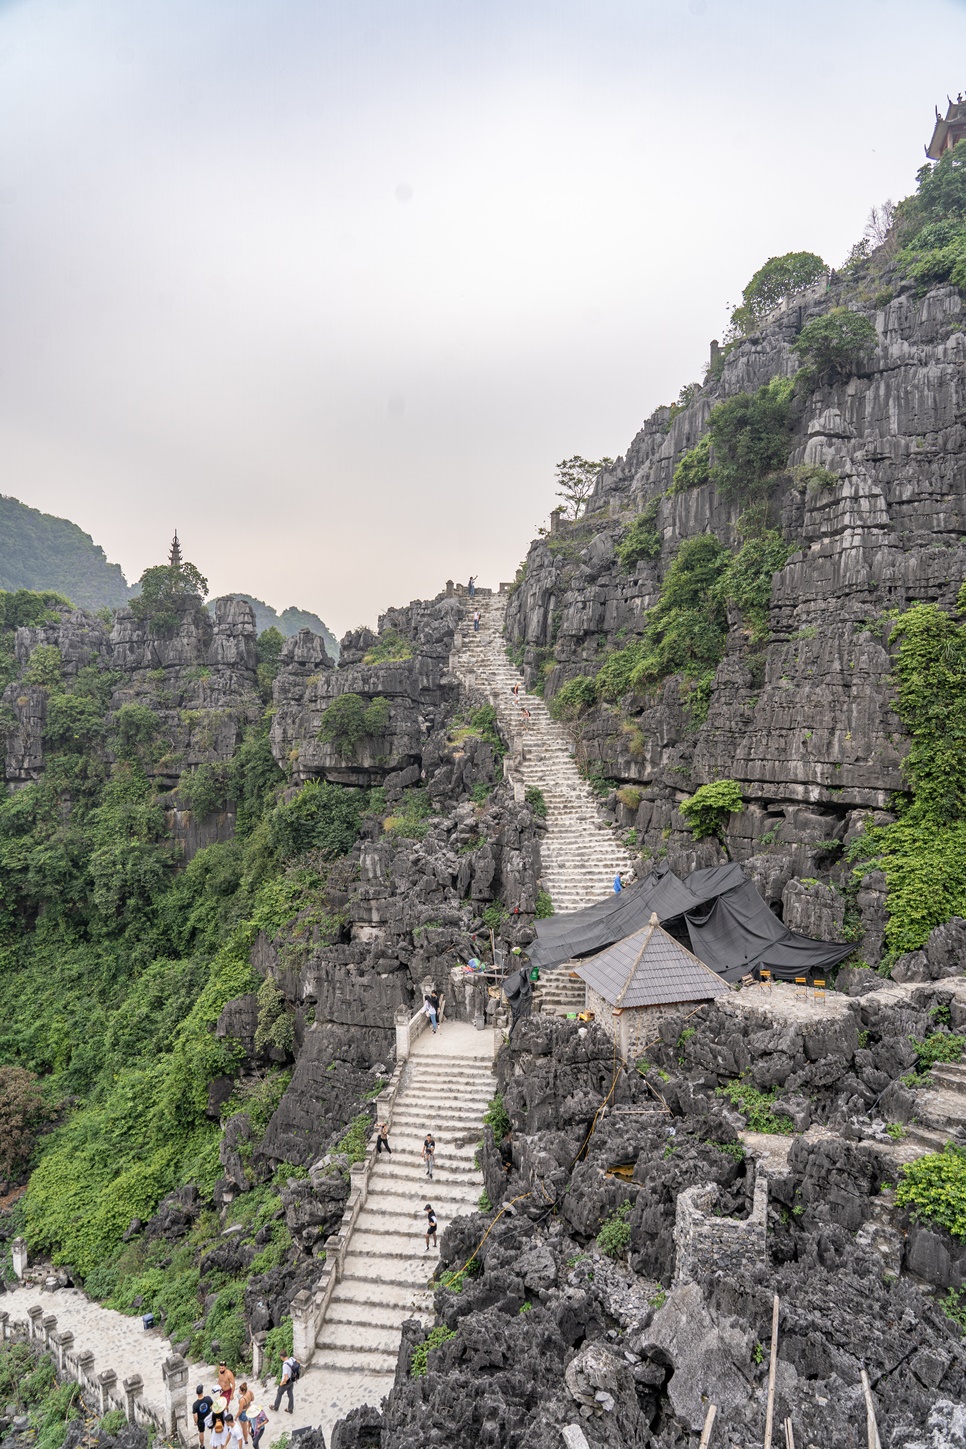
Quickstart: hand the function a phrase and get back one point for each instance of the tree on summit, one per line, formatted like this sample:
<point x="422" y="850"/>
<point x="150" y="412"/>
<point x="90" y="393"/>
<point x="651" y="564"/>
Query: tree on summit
<point x="168" y="591"/>
<point x="576" y="477"/>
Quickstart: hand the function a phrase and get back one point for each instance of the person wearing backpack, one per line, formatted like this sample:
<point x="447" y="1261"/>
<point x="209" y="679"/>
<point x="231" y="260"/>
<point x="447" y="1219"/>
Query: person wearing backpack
<point x="291" y="1373"/>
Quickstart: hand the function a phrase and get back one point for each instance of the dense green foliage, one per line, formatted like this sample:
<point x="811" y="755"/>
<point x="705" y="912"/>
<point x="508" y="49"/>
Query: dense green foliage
<point x="114" y="966"/>
<point x="614" y="1236"/>
<point x="710" y="807"/>
<point x="410" y="816"/>
<point x="497" y="1117"/>
<point x="694" y="469"/>
<point x="932" y="223"/>
<point x="642" y="539"/>
<point x="684" y="632"/>
<point x="28" y="1383"/>
<point x="832" y="346"/>
<point x="750" y="437"/>
<point x="780" y="279"/>
<point x="23" y="1111"/>
<point x="544" y="905"/>
<point x="573" y="697"/>
<point x="534" y="798"/>
<point x="167" y="593"/>
<point x="923" y="853"/>
<point x="933" y="1188"/>
<point x="39" y="552"/>
<point x="392" y="646"/>
<point x="349" y="720"/>
<point x="419" y="1362"/>
<point x="756" y="1106"/>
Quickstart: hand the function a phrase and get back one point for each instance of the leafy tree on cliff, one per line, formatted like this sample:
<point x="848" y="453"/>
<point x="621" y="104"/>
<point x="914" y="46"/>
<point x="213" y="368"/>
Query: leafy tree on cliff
<point x="576" y="477"/>
<point x="779" y="279"/>
<point x="169" y="591"/>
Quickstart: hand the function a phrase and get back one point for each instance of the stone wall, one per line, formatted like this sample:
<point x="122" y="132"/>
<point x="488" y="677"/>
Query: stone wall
<point x="708" y="1244"/>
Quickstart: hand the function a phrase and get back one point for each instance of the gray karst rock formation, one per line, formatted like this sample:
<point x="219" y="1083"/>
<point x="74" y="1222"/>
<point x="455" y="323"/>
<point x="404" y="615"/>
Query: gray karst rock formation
<point x="637" y="1218"/>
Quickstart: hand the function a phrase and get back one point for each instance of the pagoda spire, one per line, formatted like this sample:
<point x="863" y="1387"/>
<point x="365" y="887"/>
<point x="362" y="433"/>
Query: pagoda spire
<point x="174" y="557"/>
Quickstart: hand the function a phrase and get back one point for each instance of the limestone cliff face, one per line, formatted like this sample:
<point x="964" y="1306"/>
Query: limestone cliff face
<point x="200" y="682"/>
<point x="418" y="690"/>
<point x="806" y="726"/>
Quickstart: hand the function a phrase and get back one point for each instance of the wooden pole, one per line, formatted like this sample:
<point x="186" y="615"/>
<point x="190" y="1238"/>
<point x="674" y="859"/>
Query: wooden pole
<point x="708" y="1424"/>
<point x="789" y="1435"/>
<point x="770" y="1410"/>
<point x="871" y="1427"/>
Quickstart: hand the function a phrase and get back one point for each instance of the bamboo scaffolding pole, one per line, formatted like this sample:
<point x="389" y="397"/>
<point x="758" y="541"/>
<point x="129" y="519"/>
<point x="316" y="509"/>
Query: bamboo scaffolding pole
<point x="708" y="1425"/>
<point x="772" y="1364"/>
<point x="871" y="1427"/>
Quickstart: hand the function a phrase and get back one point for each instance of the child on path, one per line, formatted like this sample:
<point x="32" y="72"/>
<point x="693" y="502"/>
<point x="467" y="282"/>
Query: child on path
<point x="234" y="1432"/>
<point x="429" y="1154"/>
<point x="382" y="1139"/>
<point x="430" y="1225"/>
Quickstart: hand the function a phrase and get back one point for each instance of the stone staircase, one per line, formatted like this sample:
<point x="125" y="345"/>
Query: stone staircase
<point x="386" y="1272"/>
<point x="580" y="853"/>
<point x="940" y="1107"/>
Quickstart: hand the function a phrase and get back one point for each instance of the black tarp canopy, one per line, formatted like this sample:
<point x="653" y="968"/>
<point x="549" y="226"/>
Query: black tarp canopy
<point x="729" y="925"/>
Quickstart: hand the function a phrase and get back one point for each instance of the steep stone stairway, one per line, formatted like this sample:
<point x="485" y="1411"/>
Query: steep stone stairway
<point x="448" y="1083"/>
<point x="580" y="853"/>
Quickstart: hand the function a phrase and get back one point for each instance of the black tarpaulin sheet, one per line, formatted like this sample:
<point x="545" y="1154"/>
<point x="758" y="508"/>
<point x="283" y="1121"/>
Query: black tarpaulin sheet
<point x="730" y="927"/>
<point x="736" y="933"/>
<point x="563" y="938"/>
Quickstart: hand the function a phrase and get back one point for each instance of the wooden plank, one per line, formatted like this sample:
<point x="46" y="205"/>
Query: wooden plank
<point x="772" y="1364"/>
<point x="708" y="1425"/>
<point x="871" y="1427"/>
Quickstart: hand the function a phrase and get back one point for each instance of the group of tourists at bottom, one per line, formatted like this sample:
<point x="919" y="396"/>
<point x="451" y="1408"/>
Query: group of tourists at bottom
<point x="212" y="1413"/>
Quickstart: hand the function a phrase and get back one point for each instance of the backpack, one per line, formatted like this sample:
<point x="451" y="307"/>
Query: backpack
<point x="294" y="1370"/>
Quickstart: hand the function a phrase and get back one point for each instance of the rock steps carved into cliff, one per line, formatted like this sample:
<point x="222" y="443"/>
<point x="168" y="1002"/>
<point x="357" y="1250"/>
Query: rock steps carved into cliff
<point x="580" y="855"/>
<point x="387" y="1271"/>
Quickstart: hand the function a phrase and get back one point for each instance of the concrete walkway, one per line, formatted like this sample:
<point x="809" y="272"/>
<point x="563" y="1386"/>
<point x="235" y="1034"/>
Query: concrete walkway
<point x="446" y="1087"/>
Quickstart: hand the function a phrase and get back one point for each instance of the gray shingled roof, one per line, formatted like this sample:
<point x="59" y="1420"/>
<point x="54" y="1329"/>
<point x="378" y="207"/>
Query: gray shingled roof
<point x="650" y="968"/>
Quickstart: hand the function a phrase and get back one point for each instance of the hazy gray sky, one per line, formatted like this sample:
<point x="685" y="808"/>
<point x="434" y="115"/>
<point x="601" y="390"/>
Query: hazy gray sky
<point x="332" y="286"/>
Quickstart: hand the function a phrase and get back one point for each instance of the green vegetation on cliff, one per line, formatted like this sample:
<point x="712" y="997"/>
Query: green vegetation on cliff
<point x="923" y="853"/>
<point x="115" y="965"/>
<point x="42" y="553"/>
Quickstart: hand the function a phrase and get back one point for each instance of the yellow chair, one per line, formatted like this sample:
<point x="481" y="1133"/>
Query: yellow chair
<point x="818" y="990"/>
<point x="802" y="981"/>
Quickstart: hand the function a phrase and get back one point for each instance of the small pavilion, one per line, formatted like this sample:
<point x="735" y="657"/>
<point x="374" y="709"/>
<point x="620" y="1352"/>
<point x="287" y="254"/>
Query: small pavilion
<point x="634" y="983"/>
<point x="948" y="129"/>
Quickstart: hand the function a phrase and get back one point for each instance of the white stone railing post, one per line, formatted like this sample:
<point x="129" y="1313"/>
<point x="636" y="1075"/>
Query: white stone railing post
<point x="133" y="1388"/>
<point x="63" y="1343"/>
<point x="175" y="1373"/>
<point x="49" y="1322"/>
<point x="18" y="1252"/>
<point x="304" y="1327"/>
<point x="106" y="1384"/>
<point x="35" y="1313"/>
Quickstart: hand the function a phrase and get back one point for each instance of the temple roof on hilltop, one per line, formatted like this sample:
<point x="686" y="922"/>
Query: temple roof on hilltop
<point x="650" y="968"/>
<point x="948" y="129"/>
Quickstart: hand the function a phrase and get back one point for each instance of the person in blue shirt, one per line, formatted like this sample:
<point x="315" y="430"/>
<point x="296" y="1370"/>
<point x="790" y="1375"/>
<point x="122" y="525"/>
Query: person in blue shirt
<point x="618" y="884"/>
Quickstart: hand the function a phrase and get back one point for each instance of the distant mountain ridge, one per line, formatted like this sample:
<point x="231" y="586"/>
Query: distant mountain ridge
<point x="41" y="551"/>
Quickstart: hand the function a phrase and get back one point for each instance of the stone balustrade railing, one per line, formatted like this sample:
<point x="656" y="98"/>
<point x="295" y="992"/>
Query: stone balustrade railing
<point x="100" y="1388"/>
<point x="309" y="1307"/>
